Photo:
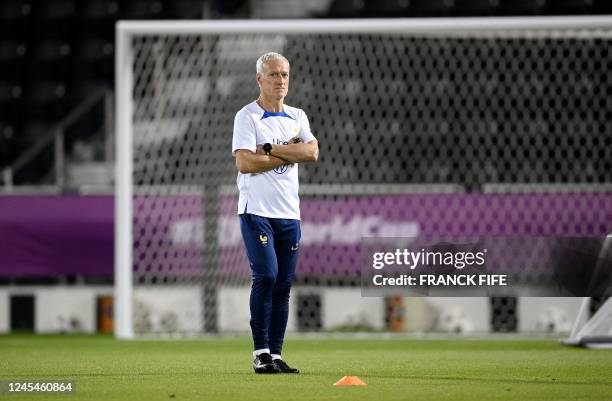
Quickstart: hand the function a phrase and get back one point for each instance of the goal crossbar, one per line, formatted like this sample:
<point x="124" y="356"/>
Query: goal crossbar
<point x="374" y="25"/>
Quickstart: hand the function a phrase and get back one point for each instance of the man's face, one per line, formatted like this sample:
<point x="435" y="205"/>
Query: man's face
<point x="274" y="80"/>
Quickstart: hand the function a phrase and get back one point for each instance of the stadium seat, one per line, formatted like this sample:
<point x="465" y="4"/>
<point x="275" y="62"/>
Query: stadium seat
<point x="97" y="17"/>
<point x="227" y="8"/>
<point x="141" y="9"/>
<point x="45" y="101"/>
<point x="11" y="94"/>
<point x="50" y="59"/>
<point x="386" y="8"/>
<point x="94" y="59"/>
<point x="520" y="7"/>
<point x="14" y="18"/>
<point x="568" y="7"/>
<point x="53" y="19"/>
<point x="346" y="9"/>
<point x="475" y="7"/>
<point x="95" y="49"/>
<point x="432" y="8"/>
<point x="45" y="92"/>
<point x="11" y="50"/>
<point x="99" y="10"/>
<point x="49" y="50"/>
<point x="184" y="9"/>
<point x="55" y="10"/>
<point x="12" y="59"/>
<point x="602" y="7"/>
<point x="15" y="10"/>
<point x="7" y="138"/>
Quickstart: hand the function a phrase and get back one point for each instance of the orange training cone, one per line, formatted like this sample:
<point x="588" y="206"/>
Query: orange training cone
<point x="350" y="381"/>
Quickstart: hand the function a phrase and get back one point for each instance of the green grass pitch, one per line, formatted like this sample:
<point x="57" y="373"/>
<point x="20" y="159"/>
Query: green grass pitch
<point x="218" y="369"/>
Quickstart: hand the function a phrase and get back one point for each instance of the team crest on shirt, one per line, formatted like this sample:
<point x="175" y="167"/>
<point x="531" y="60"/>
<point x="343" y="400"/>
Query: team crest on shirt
<point x="281" y="169"/>
<point x="284" y="167"/>
<point x="263" y="238"/>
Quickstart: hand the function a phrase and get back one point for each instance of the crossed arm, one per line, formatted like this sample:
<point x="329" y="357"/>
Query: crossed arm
<point x="249" y="162"/>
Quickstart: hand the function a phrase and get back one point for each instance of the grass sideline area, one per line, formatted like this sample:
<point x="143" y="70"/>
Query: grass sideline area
<point x="219" y="369"/>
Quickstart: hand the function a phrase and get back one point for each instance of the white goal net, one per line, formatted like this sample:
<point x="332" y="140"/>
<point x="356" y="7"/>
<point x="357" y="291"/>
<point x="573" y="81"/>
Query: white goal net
<point x="493" y="126"/>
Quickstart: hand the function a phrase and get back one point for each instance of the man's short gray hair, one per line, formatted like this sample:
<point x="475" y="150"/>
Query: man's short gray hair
<point x="268" y="57"/>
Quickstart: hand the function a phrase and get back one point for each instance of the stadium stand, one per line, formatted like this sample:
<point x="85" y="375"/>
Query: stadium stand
<point x="54" y="53"/>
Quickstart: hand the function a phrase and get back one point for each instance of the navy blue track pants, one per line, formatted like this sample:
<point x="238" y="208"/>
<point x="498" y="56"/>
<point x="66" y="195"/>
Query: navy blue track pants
<point x="272" y="247"/>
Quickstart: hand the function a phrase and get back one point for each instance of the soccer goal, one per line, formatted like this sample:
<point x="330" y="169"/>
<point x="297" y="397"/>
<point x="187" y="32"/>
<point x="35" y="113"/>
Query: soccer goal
<point x="593" y="332"/>
<point x="415" y="118"/>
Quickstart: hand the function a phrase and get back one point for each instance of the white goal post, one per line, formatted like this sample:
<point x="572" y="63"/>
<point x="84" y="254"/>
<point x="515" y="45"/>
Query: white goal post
<point x="126" y="79"/>
<point x="594" y="331"/>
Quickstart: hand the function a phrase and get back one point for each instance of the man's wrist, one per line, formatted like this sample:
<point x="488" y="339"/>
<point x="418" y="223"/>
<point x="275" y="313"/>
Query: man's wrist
<point x="267" y="148"/>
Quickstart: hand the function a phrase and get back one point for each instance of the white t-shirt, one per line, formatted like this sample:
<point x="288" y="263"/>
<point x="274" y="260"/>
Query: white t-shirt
<point x="273" y="193"/>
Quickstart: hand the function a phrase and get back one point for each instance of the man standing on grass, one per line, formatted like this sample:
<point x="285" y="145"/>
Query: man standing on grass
<point x="270" y="139"/>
